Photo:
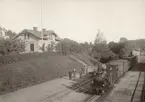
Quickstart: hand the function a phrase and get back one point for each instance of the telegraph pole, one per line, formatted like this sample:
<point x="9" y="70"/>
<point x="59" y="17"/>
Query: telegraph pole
<point x="41" y="21"/>
<point x="43" y="46"/>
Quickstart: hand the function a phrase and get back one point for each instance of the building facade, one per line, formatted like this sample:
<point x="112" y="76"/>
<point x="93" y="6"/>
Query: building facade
<point x="35" y="42"/>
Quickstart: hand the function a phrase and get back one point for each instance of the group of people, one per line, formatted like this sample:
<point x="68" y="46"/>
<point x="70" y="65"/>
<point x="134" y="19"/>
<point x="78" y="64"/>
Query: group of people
<point x="72" y="73"/>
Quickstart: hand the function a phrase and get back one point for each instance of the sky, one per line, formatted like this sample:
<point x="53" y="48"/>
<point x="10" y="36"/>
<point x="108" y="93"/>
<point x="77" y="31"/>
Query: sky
<point x="78" y="20"/>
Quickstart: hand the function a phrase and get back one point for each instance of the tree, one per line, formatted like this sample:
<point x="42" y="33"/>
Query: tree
<point x="102" y="52"/>
<point x="122" y="48"/>
<point x="84" y="47"/>
<point x="115" y="47"/>
<point x="100" y="49"/>
<point x="8" y="46"/>
<point x="10" y="33"/>
<point x="123" y="39"/>
<point x="67" y="46"/>
<point x="125" y="50"/>
<point x="100" y="39"/>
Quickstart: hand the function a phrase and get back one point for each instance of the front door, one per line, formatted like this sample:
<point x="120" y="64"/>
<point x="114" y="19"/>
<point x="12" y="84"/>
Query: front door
<point x="31" y="47"/>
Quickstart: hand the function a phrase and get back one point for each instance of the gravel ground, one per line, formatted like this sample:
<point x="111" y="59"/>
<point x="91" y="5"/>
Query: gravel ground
<point x="123" y="91"/>
<point x="37" y="93"/>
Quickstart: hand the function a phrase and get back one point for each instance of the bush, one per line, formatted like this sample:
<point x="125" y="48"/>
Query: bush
<point x="6" y="59"/>
<point x="9" y="46"/>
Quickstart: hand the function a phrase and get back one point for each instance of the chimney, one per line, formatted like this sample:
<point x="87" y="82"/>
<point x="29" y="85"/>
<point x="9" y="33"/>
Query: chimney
<point x="35" y="28"/>
<point x="43" y="30"/>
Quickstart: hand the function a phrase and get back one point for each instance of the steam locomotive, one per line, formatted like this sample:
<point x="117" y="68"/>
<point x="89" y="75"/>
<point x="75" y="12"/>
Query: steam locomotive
<point x="100" y="83"/>
<point x="104" y="79"/>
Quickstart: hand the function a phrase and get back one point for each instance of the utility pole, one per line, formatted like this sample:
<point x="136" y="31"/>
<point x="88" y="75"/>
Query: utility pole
<point x="41" y="21"/>
<point x="43" y="46"/>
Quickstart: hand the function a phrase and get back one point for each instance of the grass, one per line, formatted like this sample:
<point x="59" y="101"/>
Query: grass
<point x="30" y="72"/>
<point x="87" y="59"/>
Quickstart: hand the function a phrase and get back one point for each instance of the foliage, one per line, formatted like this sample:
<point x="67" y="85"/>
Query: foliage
<point x="67" y="46"/>
<point x="100" y="39"/>
<point x="100" y="50"/>
<point x="8" y="46"/>
<point x="126" y="49"/>
<point x="123" y="39"/>
<point x="85" y="47"/>
<point x="138" y="44"/>
<point x="122" y="48"/>
<point x="115" y="47"/>
<point x="10" y="33"/>
<point x="17" y="57"/>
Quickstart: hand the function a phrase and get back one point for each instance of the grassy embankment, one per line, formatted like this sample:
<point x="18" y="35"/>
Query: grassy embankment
<point x="33" y="70"/>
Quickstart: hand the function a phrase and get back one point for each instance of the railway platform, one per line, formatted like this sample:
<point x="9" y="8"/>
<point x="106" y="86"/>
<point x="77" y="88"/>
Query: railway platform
<point x="127" y="89"/>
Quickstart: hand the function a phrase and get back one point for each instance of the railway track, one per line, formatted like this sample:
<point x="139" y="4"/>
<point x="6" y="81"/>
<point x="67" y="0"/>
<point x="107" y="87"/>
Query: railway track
<point x="132" y="97"/>
<point x="96" y="98"/>
<point x="65" y="92"/>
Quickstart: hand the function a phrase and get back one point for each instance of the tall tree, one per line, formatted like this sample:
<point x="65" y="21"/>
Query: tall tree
<point x="10" y="33"/>
<point x="100" y="50"/>
<point x="100" y="39"/>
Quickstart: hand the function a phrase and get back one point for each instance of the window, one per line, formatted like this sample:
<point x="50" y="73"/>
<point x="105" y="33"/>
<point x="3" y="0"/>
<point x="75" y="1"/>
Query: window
<point x="31" y="47"/>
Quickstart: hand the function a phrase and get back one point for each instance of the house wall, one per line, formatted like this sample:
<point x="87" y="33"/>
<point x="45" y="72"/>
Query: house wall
<point x="46" y="42"/>
<point x="38" y="43"/>
<point x="28" y="41"/>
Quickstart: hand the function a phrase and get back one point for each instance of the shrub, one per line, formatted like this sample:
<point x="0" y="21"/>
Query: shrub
<point x="6" y="59"/>
<point x="9" y="46"/>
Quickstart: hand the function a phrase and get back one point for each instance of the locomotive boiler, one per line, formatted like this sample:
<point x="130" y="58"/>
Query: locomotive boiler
<point x="100" y="83"/>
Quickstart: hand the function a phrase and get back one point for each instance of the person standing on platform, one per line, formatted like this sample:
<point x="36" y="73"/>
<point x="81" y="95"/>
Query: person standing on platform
<point x="70" y="74"/>
<point x="74" y="73"/>
<point x="80" y="73"/>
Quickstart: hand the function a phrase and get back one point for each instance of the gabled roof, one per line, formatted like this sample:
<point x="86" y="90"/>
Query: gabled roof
<point x="37" y="34"/>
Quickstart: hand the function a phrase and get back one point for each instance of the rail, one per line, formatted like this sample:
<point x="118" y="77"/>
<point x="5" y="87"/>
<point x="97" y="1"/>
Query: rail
<point x="101" y="97"/>
<point x="67" y="91"/>
<point x="143" y="92"/>
<point x="135" y="88"/>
